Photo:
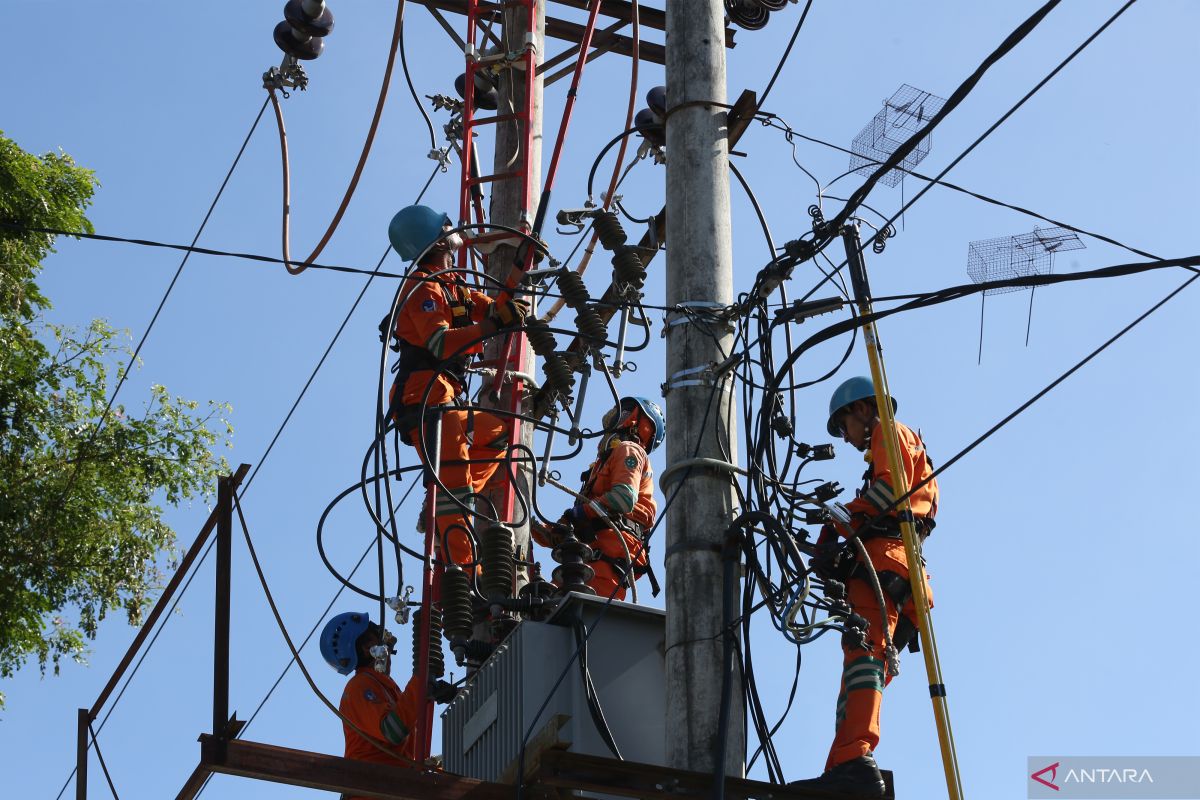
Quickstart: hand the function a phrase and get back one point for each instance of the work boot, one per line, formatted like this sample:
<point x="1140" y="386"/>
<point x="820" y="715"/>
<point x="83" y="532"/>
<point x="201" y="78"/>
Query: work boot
<point x="859" y="777"/>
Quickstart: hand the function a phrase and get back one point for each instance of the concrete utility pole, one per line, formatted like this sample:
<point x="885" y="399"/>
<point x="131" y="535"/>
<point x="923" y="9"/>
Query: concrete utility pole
<point x="699" y="413"/>
<point x="507" y="199"/>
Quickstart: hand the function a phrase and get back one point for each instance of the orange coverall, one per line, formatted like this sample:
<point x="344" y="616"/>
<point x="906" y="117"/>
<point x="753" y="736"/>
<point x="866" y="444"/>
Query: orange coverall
<point x="864" y="672"/>
<point x="442" y="316"/>
<point x="622" y="483"/>
<point x="377" y="705"/>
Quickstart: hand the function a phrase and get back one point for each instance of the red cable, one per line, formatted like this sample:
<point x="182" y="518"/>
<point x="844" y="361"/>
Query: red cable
<point x="362" y="159"/>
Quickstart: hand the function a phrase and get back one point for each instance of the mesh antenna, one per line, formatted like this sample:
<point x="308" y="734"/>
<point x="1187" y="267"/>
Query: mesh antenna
<point x="903" y="114"/>
<point x="1021" y="256"/>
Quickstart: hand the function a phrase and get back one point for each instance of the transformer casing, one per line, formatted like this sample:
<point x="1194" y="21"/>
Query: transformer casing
<point x="502" y="703"/>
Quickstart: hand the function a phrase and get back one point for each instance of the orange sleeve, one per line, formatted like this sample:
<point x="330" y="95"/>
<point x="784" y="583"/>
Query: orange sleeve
<point x="425" y="320"/>
<point x="366" y="705"/>
<point x="881" y="492"/>
<point x="618" y="487"/>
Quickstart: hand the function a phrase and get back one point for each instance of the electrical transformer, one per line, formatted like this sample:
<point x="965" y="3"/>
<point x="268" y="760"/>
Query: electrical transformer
<point x="536" y="675"/>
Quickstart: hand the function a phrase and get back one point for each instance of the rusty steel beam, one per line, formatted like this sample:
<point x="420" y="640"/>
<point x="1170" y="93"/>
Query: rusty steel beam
<point x="647" y="17"/>
<point x="334" y="774"/>
<point x="164" y="598"/>
<point x="565" y="30"/>
<point x="576" y="771"/>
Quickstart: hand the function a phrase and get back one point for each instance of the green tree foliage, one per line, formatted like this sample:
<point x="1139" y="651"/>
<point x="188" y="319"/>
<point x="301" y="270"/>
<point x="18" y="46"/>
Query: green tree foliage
<point x="81" y="520"/>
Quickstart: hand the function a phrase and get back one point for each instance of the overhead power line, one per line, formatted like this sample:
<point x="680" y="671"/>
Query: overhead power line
<point x="898" y="156"/>
<point x="133" y="359"/>
<point x="952" y="102"/>
<point x="192" y="248"/>
<point x="1050" y="76"/>
<point x="789" y="131"/>
<point x="786" y="53"/>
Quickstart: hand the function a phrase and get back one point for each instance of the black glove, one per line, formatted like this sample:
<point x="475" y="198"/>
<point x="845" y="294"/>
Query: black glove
<point x="509" y="314"/>
<point x="547" y="535"/>
<point x="584" y="527"/>
<point x="443" y="692"/>
<point x="385" y="335"/>
<point x="830" y="560"/>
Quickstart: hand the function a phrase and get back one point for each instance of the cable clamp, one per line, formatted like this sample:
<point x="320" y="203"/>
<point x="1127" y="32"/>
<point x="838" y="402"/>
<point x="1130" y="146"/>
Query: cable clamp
<point x="442" y="156"/>
<point x="705" y="375"/>
<point x="699" y="463"/>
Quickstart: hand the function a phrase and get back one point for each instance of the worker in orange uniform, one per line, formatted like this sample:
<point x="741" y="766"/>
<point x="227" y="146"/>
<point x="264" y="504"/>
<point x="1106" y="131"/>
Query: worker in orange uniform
<point x="439" y="326"/>
<point x="385" y="716"/>
<point x="853" y="415"/>
<point x="621" y="483"/>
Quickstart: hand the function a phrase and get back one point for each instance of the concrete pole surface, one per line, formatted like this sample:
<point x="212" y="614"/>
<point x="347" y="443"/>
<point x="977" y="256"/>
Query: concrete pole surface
<point x="506" y="203"/>
<point x="699" y="415"/>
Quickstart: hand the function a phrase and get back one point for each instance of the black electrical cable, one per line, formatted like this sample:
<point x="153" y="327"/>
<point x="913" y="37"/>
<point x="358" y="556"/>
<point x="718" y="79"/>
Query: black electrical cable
<point x="595" y="709"/>
<point x="1038" y="396"/>
<point x="412" y="90"/>
<point x="839" y="220"/>
<point x="786" y="53"/>
<point x="603" y="151"/>
<point x="103" y="766"/>
<point x="957" y="96"/>
<point x="57" y="506"/>
<point x="972" y="193"/>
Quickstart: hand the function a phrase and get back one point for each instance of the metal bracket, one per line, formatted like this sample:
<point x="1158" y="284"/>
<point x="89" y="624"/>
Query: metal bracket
<point x="442" y="156"/>
<point x="288" y="75"/>
<point x="705" y="375"/>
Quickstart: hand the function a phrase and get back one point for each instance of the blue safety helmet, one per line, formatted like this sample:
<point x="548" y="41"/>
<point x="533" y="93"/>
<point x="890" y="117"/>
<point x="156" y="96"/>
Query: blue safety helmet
<point x="339" y="640"/>
<point x="649" y="409"/>
<point x="860" y="387"/>
<point x="414" y="228"/>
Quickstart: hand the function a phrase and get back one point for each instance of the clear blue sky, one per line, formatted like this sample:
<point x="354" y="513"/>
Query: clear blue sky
<point x="1061" y="562"/>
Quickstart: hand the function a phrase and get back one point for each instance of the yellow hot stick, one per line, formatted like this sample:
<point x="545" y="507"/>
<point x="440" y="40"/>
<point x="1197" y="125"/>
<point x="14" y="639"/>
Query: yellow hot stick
<point x="916" y="573"/>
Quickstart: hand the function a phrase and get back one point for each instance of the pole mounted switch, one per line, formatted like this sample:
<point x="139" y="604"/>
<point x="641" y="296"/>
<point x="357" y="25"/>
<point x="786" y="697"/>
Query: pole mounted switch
<point x="305" y="25"/>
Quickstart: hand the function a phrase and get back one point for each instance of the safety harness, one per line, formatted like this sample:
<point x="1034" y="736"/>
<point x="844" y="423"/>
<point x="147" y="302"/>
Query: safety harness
<point x="894" y="585"/>
<point x="620" y="564"/>
<point x="889" y="526"/>
<point x="416" y="358"/>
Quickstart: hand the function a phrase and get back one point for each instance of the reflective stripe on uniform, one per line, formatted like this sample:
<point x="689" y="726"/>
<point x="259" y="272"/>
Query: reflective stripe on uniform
<point x="452" y="501"/>
<point x="879" y="494"/>
<point x="863" y="673"/>
<point x="393" y="728"/>
<point x="620" y="498"/>
<point x="436" y="342"/>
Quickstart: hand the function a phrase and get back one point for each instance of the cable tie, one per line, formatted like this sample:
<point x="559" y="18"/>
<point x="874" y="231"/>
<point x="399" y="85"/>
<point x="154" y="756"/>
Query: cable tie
<point x="692" y="103"/>
<point x="937" y="690"/>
